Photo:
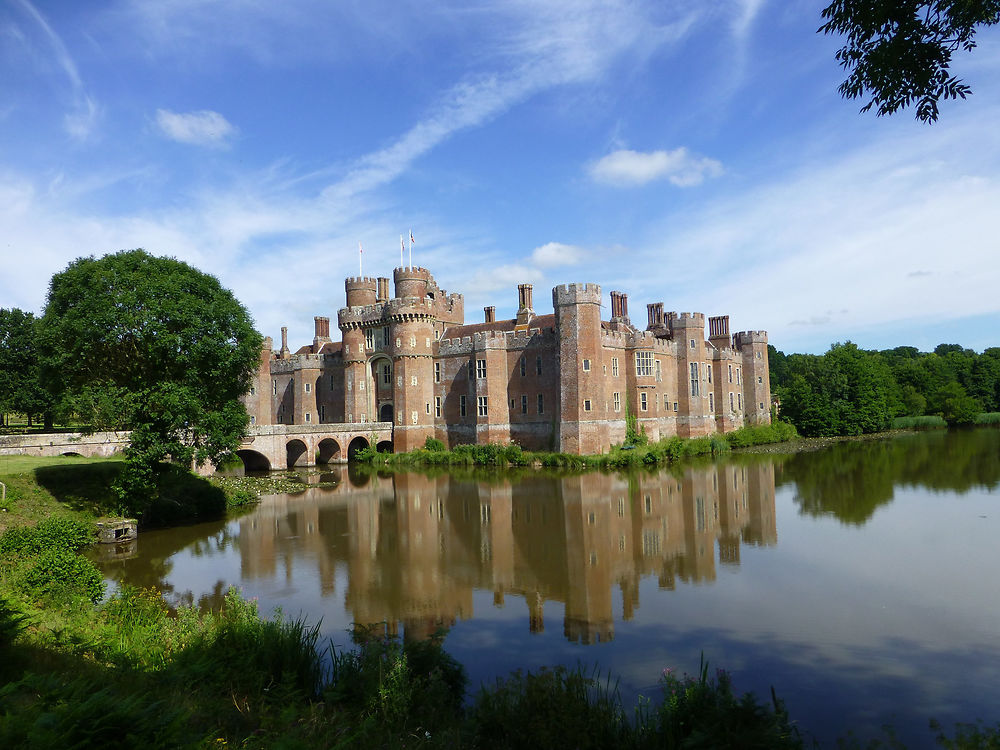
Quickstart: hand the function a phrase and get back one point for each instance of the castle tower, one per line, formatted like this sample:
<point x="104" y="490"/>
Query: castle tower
<point x="578" y="327"/>
<point x="693" y="366"/>
<point x="752" y="346"/>
<point x="412" y="282"/>
<point x="412" y="316"/>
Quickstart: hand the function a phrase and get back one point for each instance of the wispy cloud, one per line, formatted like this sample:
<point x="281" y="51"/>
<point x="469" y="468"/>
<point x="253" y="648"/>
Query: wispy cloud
<point x="81" y="121"/>
<point x="202" y="128"/>
<point x="627" y="168"/>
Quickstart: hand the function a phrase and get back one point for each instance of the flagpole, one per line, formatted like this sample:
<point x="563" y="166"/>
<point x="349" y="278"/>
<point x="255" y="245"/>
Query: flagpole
<point x="411" y="248"/>
<point x="361" y="252"/>
<point x="401" y="246"/>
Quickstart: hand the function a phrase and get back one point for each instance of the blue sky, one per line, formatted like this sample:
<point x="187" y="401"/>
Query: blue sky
<point x="693" y="152"/>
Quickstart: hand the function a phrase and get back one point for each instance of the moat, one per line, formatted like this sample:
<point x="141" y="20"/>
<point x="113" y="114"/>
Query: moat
<point x="859" y="580"/>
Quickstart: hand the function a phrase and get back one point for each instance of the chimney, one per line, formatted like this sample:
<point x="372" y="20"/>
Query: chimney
<point x="284" y="353"/>
<point x="524" y="297"/>
<point x="382" y="291"/>
<point x="491" y="314"/>
<point x="655" y="312"/>
<point x="718" y="331"/>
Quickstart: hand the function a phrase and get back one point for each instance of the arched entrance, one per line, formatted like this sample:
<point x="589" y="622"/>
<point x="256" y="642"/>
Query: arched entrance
<point x="329" y="451"/>
<point x="254" y="461"/>
<point x="295" y="451"/>
<point x="384" y="446"/>
<point x="385" y="413"/>
<point x="382" y="371"/>
<point x="358" y="444"/>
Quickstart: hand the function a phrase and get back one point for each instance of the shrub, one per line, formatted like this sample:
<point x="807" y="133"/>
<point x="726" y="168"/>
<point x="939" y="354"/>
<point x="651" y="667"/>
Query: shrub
<point x="433" y="445"/>
<point x="58" y="568"/>
<point x="58" y="532"/>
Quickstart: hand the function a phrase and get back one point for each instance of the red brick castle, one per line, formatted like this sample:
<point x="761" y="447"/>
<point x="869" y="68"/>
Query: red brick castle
<point x="562" y="381"/>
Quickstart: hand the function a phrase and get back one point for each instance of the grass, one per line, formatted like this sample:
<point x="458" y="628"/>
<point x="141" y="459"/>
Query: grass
<point x="926" y="422"/>
<point x="665" y="451"/>
<point x="992" y="417"/>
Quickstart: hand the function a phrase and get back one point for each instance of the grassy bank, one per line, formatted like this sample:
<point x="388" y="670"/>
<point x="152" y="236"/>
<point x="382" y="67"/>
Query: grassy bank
<point x="640" y="452"/>
<point x="40" y="488"/>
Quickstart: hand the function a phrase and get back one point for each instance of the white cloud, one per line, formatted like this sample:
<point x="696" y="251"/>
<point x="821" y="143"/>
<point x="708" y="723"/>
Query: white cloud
<point x="627" y="168"/>
<point x="202" y="128"/>
<point x="554" y="254"/>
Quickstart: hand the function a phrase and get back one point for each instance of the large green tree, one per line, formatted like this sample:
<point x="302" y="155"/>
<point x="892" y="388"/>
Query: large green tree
<point x="899" y="52"/>
<point x="151" y="344"/>
<point x="20" y="389"/>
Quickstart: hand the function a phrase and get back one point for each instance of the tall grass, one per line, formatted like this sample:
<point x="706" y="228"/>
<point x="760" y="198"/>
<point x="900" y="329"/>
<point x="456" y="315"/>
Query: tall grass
<point x="926" y="422"/>
<point x="992" y="417"/>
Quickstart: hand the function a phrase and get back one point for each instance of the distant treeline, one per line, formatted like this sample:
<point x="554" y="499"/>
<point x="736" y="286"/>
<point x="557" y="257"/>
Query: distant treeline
<point x="849" y="391"/>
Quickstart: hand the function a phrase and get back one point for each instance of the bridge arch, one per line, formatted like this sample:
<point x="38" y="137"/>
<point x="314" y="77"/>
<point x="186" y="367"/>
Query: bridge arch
<point x="384" y="446"/>
<point x="253" y="460"/>
<point x="296" y="453"/>
<point x="329" y="451"/>
<point x="358" y="444"/>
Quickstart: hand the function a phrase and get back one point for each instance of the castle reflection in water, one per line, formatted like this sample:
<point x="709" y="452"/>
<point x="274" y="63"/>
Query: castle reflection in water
<point x="415" y="547"/>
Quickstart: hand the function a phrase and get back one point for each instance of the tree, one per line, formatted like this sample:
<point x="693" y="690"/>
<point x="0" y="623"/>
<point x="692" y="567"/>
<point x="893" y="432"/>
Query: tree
<point x="135" y="341"/>
<point x="20" y="388"/>
<point x="898" y="52"/>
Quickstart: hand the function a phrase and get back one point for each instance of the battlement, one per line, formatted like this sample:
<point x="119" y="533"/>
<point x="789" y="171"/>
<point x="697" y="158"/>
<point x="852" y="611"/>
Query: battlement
<point x="746" y="338"/>
<point x="360" y="290"/>
<point x="686" y="320"/>
<point x="411" y="272"/>
<point x="575" y="294"/>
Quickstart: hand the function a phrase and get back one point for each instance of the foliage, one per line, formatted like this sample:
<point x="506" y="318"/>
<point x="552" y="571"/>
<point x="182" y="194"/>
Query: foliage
<point x="957" y="407"/>
<point x="550" y="708"/>
<point x="898" y="52"/>
<point x="133" y="340"/>
<point x="20" y="386"/>
<point x="433" y="444"/>
<point x="54" y="570"/>
<point x="58" y="532"/>
<point x="918" y="423"/>
<point x="702" y="711"/>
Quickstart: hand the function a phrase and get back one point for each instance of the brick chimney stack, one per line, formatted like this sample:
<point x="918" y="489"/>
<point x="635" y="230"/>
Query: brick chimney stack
<point x="491" y="314"/>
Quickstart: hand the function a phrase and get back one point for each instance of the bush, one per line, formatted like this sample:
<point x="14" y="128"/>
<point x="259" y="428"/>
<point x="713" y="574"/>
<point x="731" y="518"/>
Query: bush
<point x="433" y="445"/>
<point x="59" y="532"/>
<point x="56" y="568"/>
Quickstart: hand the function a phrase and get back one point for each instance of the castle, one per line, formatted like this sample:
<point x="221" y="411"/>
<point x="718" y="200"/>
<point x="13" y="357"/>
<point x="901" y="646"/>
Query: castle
<point x="563" y="381"/>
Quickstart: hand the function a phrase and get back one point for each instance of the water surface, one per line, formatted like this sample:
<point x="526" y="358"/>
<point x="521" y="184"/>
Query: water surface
<point x="860" y="581"/>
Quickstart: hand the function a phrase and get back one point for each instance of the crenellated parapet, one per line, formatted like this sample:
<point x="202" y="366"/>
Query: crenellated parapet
<point x="361" y="290"/>
<point x="748" y="338"/>
<point x="575" y="294"/>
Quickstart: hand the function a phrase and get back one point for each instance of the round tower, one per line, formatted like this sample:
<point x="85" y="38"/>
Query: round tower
<point x="361" y="290"/>
<point x="411" y="282"/>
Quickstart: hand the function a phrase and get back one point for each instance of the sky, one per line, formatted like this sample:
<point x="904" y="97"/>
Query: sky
<point x="690" y="152"/>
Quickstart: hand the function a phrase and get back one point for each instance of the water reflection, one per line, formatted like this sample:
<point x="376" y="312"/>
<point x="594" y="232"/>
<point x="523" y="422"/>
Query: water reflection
<point x="852" y="480"/>
<point x="417" y="547"/>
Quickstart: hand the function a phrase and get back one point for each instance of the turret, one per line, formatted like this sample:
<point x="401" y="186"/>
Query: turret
<point x="360" y="291"/>
<point x="578" y="326"/>
<point x="412" y="282"/>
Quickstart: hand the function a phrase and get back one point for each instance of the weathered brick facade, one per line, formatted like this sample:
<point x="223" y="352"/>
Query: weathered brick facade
<point x="564" y="381"/>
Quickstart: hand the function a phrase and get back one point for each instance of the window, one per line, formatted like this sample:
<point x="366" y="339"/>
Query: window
<point x="274" y="387"/>
<point x="731" y="407"/>
<point x="586" y="404"/>
<point x="253" y="390"/>
<point x="730" y="373"/>
<point x="385" y="336"/>
<point x="761" y="406"/>
<point x="708" y="370"/>
<point x="461" y="405"/>
<point x="524" y="404"/>
<point x="437" y="372"/>
<point x="322" y="413"/>
<point x="675" y="406"/>
<point x="470" y="369"/>
<point x="387" y="374"/>
<point x="614" y="367"/>
<point x="253" y="419"/>
<point x="370" y="338"/>
<point x="308" y="417"/>
<point x="523" y="365"/>
<point x="331" y="383"/>
<point x="512" y="404"/>
<point x="643" y="363"/>
<point x="666" y="402"/>
<point x="642" y="401"/>
<point x="413" y="341"/>
<point x="659" y="372"/>
<point x="538" y="365"/>
<point x="427" y="407"/>
<point x="692" y="343"/>
<point x="694" y="378"/>
<point x="364" y="417"/>
<point x="760" y="380"/>
<point x="482" y="406"/>
<point x="737" y="376"/>
<point x="758" y="355"/>
<point x="541" y="404"/>
<point x="617" y="399"/>
<point x="437" y="407"/>
<point x="481" y="368"/>
<point x="711" y="402"/>
<point x="586" y="365"/>
<point x="739" y="401"/>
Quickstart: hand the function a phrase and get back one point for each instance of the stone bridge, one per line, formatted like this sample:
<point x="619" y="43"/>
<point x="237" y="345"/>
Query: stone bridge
<point x="265" y="447"/>
<point x="279" y="446"/>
